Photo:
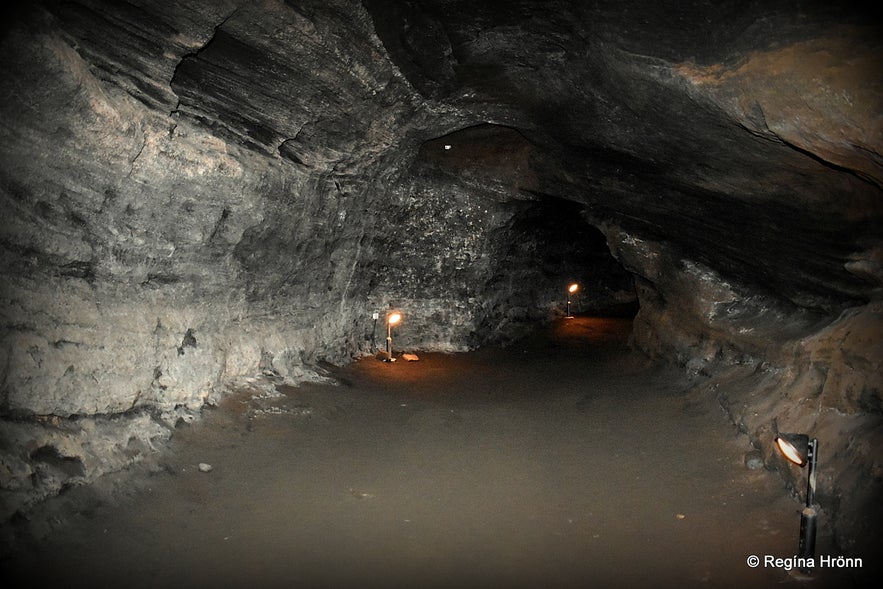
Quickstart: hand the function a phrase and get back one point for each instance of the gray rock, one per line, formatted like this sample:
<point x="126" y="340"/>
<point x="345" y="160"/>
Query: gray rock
<point x="199" y="193"/>
<point x="754" y="460"/>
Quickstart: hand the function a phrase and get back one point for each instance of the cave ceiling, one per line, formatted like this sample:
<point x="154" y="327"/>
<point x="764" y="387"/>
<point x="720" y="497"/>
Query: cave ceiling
<point x="745" y="134"/>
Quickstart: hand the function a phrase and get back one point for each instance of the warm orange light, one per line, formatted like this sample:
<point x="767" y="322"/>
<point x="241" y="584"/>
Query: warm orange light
<point x="394" y="318"/>
<point x="573" y="287"/>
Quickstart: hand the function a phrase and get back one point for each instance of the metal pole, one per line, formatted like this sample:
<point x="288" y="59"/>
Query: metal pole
<point x="388" y="341"/>
<point x="808" y="517"/>
<point x="813" y="460"/>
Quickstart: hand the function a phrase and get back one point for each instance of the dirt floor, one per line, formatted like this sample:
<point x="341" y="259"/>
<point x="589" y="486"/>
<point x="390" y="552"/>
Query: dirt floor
<point x="561" y="461"/>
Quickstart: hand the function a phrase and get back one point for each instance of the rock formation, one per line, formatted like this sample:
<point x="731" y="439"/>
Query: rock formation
<point x="195" y="193"/>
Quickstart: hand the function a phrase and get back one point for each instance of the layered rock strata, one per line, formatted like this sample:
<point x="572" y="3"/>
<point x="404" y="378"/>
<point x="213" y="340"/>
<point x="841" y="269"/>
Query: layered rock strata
<point x="200" y="193"/>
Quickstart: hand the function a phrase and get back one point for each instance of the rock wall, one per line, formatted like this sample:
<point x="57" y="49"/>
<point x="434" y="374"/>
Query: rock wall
<point x="174" y="227"/>
<point x="199" y="193"/>
<point x="149" y="264"/>
<point x="474" y="257"/>
<point x="774" y="367"/>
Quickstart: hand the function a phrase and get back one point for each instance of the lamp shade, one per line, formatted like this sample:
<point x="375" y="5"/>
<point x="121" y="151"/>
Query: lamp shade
<point x="794" y="447"/>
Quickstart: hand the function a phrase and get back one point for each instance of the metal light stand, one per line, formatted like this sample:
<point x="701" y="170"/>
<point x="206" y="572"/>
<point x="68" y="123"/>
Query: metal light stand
<point x="570" y="290"/>
<point x="808" y="517"/>
<point x="389" y="357"/>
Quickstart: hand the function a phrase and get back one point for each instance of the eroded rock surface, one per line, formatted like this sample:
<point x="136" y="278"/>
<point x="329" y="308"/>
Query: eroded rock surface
<point x="199" y="193"/>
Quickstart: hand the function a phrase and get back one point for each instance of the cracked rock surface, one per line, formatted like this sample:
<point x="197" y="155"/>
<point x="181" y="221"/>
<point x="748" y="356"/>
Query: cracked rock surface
<point x="197" y="193"/>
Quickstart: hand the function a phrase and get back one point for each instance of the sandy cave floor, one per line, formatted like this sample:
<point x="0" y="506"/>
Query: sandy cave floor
<point x="561" y="461"/>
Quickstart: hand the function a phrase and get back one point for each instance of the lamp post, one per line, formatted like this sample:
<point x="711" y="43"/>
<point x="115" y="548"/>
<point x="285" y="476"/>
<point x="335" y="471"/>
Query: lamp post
<point x="570" y="290"/>
<point x="802" y="451"/>
<point x="391" y="320"/>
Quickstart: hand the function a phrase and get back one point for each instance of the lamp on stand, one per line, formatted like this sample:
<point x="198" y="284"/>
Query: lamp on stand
<point x="391" y="320"/>
<point x="570" y="291"/>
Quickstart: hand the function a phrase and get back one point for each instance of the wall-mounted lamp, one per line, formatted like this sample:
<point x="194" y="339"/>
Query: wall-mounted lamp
<point x="802" y="451"/>
<point x="391" y="320"/>
<point x="448" y="147"/>
<point x="570" y="290"/>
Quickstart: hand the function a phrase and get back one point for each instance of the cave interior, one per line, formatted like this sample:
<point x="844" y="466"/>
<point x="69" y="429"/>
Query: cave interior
<point x="197" y="193"/>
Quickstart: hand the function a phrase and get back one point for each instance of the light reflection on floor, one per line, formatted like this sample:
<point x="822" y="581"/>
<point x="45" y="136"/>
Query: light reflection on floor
<point x="559" y="461"/>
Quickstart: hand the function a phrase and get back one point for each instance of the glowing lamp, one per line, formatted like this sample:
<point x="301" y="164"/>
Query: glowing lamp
<point x="794" y="447"/>
<point x="391" y="319"/>
<point x="803" y="451"/>
<point x="570" y="290"/>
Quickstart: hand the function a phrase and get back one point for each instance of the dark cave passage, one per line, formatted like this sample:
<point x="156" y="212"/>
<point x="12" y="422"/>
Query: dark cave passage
<point x="561" y="460"/>
<point x="211" y="208"/>
<point x="566" y="249"/>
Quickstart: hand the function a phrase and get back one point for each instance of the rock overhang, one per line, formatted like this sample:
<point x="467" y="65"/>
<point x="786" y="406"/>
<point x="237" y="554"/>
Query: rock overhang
<point x="265" y="175"/>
